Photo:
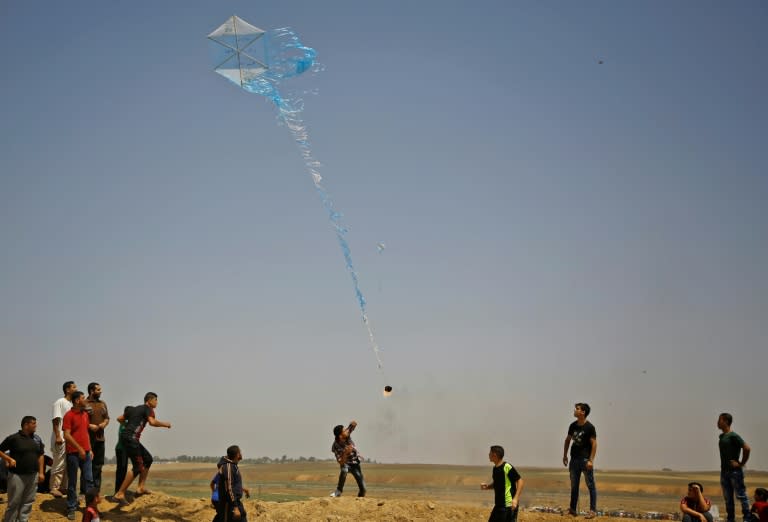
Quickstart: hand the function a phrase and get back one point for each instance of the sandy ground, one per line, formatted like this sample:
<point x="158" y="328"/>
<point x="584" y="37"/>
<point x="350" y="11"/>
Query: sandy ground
<point x="159" y="507"/>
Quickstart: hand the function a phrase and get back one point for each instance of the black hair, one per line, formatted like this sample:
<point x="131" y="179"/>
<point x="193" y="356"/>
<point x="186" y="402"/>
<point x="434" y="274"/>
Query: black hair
<point x="761" y="494"/>
<point x="26" y="419"/>
<point x="66" y="386"/>
<point x="338" y="429"/>
<point x="691" y="484"/>
<point x="149" y="396"/>
<point x="76" y="395"/>
<point x="583" y="406"/>
<point x="232" y="451"/>
<point x="91" y="495"/>
<point x="727" y="417"/>
<point x="498" y="451"/>
<point x="91" y="387"/>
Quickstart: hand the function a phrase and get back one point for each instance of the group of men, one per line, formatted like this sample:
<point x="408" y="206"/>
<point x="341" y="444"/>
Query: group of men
<point x="77" y="448"/>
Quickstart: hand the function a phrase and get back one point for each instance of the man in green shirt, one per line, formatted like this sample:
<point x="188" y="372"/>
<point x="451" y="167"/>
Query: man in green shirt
<point x="734" y="454"/>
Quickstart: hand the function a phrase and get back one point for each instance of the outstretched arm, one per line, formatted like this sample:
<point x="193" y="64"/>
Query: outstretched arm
<point x="158" y="423"/>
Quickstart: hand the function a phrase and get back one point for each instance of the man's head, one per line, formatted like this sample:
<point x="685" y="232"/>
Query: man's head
<point x="581" y="408"/>
<point x="69" y="388"/>
<point x="78" y="399"/>
<point x="94" y="391"/>
<point x="340" y="432"/>
<point x="28" y="424"/>
<point x="694" y="488"/>
<point x="761" y="494"/>
<point x="150" y="399"/>
<point x="233" y="453"/>
<point x="496" y="454"/>
<point x="724" y="421"/>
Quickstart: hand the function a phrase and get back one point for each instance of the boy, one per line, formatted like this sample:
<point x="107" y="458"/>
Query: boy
<point x="92" y="499"/>
<point x="582" y="439"/>
<point x="507" y="486"/>
<point x="348" y="458"/>
<point x="694" y="505"/>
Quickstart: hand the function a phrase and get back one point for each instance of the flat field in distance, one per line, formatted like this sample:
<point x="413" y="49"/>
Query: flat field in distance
<point x="635" y="491"/>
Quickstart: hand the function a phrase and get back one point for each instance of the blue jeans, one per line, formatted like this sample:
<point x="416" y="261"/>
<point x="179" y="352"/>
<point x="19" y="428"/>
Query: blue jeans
<point x="357" y="473"/>
<point x="732" y="482"/>
<point x="73" y="464"/>
<point x="576" y="468"/>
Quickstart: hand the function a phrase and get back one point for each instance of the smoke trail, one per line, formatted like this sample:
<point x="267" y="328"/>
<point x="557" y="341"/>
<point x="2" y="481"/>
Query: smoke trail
<point x="284" y="56"/>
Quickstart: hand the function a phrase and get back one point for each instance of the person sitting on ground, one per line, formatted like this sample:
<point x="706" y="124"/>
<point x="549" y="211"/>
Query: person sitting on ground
<point x="694" y="505"/>
<point x="760" y="505"/>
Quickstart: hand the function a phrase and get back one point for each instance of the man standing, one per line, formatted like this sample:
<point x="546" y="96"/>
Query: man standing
<point x="734" y="454"/>
<point x="507" y="486"/>
<point x="230" y="488"/>
<point x="58" y="449"/>
<point x="99" y="419"/>
<point x="135" y="419"/>
<point x="78" y="445"/>
<point x="25" y="469"/>
<point x="582" y="438"/>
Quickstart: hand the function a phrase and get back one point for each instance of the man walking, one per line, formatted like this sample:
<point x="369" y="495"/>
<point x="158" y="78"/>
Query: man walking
<point x="25" y="469"/>
<point x="98" y="419"/>
<point x="230" y="488"/>
<point x="78" y="445"/>
<point x="734" y="454"/>
<point x="582" y="438"/>
<point x="58" y="449"/>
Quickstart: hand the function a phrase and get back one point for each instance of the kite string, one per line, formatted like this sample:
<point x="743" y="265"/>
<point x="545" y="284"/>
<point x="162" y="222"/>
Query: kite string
<point x="290" y="115"/>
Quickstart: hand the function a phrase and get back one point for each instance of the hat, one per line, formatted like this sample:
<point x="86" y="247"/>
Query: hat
<point x="337" y="430"/>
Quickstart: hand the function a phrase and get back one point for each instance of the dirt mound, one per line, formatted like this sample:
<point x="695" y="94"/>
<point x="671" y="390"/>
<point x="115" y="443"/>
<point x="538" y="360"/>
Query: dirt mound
<point x="159" y="507"/>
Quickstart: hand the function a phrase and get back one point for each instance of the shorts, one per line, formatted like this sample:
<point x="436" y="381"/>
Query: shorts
<point x="140" y="457"/>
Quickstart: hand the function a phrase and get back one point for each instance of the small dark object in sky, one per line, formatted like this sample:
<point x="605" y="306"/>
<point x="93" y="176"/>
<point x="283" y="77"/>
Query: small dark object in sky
<point x="600" y="62"/>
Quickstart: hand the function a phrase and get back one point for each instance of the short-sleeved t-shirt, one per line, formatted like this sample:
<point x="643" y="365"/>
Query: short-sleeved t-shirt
<point x="98" y="413"/>
<point x="505" y="478"/>
<point x="581" y="439"/>
<point x="60" y="408"/>
<point x="760" y="509"/>
<point x="77" y="423"/>
<point x="136" y="417"/>
<point x="91" y="515"/>
<point x="730" y="445"/>
<point x="25" y="450"/>
<point x="693" y="504"/>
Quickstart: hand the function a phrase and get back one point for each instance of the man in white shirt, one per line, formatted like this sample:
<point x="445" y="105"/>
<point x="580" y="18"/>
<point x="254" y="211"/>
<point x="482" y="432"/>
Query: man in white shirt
<point x="58" y="449"/>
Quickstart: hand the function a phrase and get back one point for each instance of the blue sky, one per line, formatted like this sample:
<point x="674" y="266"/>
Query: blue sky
<point x="557" y="229"/>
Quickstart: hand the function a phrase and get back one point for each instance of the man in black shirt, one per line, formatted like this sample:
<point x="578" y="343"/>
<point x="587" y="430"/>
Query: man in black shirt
<point x="506" y="485"/>
<point x="582" y="438"/>
<point x="25" y="469"/>
<point x="135" y="418"/>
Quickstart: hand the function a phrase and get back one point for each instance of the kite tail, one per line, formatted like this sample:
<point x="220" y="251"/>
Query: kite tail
<point x="290" y="115"/>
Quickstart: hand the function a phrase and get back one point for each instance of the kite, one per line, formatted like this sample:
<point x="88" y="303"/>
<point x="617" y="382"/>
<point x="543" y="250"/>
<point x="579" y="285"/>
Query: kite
<point x="258" y="61"/>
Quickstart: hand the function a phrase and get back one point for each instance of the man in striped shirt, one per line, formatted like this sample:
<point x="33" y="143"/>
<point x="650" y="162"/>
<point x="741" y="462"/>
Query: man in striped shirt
<point x="348" y="458"/>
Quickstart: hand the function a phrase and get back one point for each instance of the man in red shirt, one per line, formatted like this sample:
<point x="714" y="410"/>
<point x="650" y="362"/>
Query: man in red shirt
<point x="78" y="447"/>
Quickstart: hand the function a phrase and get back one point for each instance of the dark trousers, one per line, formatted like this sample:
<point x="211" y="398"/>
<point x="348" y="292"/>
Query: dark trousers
<point x="503" y="514"/>
<point x="97" y="446"/>
<point x="122" y="467"/>
<point x="576" y="468"/>
<point x="357" y="473"/>
<point x="75" y="464"/>
<point x="225" y="511"/>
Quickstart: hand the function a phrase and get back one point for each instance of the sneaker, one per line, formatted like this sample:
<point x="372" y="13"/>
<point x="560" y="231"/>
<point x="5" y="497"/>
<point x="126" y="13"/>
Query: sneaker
<point x="591" y="514"/>
<point x="71" y="515"/>
<point x="336" y="493"/>
<point x="571" y="512"/>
